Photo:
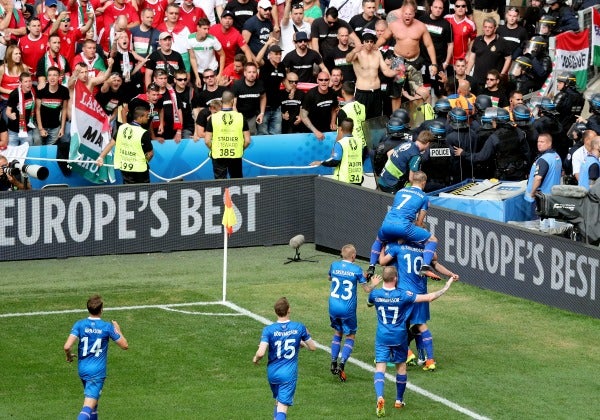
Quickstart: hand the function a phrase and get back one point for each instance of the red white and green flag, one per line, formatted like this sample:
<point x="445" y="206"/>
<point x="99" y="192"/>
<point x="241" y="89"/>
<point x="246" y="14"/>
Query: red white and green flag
<point x="596" y="37"/>
<point x="573" y="54"/>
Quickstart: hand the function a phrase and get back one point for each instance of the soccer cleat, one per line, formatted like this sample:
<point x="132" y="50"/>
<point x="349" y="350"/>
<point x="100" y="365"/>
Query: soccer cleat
<point x="411" y="360"/>
<point x="399" y="404"/>
<point x="429" y="365"/>
<point x="370" y="272"/>
<point x="421" y="362"/>
<point x="334" y="368"/>
<point x="380" y="411"/>
<point x="340" y="372"/>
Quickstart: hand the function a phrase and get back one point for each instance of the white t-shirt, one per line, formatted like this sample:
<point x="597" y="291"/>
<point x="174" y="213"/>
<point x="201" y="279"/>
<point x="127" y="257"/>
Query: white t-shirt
<point x="287" y="35"/>
<point x="349" y="9"/>
<point x="204" y="51"/>
<point x="578" y="158"/>
<point x="209" y="8"/>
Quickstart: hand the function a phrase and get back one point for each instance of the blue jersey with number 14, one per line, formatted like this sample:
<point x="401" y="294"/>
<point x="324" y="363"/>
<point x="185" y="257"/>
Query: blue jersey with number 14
<point x="345" y="277"/>
<point x="283" y="339"/>
<point x="93" y="335"/>
<point x="407" y="203"/>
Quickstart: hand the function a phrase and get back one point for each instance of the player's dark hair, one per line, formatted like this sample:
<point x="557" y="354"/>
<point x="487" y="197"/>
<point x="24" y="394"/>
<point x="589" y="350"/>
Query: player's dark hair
<point x="282" y="307"/>
<point x="95" y="305"/>
<point x="203" y="22"/>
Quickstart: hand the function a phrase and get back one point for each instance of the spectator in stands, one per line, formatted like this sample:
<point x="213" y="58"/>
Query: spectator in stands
<point x="241" y="11"/>
<point x="292" y="22"/>
<point x="463" y="98"/>
<point x="70" y="37"/>
<point x="151" y="101"/>
<point x="120" y="8"/>
<point x="515" y="98"/>
<point x="464" y="30"/>
<point x="211" y="91"/>
<point x="158" y="8"/>
<point x="126" y="64"/>
<point x="250" y="97"/>
<point x="494" y="90"/>
<point x="33" y="46"/>
<point x="203" y="117"/>
<point x="51" y="107"/>
<point x="190" y="15"/>
<point x="184" y="93"/>
<point x="12" y="22"/>
<point x="337" y="56"/>
<point x="272" y="73"/>
<point x="367" y="19"/>
<point x="20" y="112"/>
<point x="532" y="15"/>
<point x="545" y="172"/>
<point x="233" y="71"/>
<point x="52" y="58"/>
<point x="202" y="48"/>
<point x="567" y="18"/>
<point x="335" y="81"/>
<point x="144" y="37"/>
<point x="460" y="72"/>
<point x="291" y="101"/>
<point x="48" y="14"/>
<point x="513" y="33"/>
<point x="487" y="9"/>
<point x="323" y="32"/>
<point x="10" y="72"/>
<point x="259" y="28"/>
<point x="112" y="95"/>
<point x="179" y="33"/>
<point x="170" y="125"/>
<point x="489" y="51"/>
<point x="302" y="59"/>
<point x="319" y="107"/>
<point x="312" y="10"/>
<point x="230" y="38"/>
<point x="165" y="58"/>
<point x="210" y="7"/>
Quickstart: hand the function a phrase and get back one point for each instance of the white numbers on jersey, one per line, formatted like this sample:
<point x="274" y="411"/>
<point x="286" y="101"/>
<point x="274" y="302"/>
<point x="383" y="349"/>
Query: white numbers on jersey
<point x="346" y="286"/>
<point x="415" y="266"/>
<point x="392" y="309"/>
<point x="405" y="198"/>
<point x="96" y="347"/>
<point x="289" y="350"/>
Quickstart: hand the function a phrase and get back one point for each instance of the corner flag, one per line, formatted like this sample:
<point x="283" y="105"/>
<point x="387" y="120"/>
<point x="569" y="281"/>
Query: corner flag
<point x="229" y="219"/>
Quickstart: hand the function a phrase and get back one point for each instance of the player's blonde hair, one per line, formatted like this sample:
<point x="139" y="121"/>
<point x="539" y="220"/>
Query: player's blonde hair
<point x="348" y="252"/>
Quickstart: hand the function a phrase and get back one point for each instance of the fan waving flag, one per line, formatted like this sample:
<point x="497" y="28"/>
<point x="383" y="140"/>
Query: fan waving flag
<point x="573" y="54"/>
<point x="229" y="219"/>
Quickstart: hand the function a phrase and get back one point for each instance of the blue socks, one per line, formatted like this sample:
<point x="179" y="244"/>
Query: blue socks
<point x="347" y="350"/>
<point x="400" y="386"/>
<point x="336" y="342"/>
<point x="427" y="340"/>
<point x="280" y="416"/>
<point x="430" y="248"/>
<point x="375" y="251"/>
<point x="379" y="382"/>
<point x="85" y="414"/>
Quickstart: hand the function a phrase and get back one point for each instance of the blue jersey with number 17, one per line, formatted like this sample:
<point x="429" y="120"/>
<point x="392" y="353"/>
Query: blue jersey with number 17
<point x="345" y="277"/>
<point x="93" y="335"/>
<point x="393" y="308"/>
<point x="284" y="342"/>
<point x="407" y="203"/>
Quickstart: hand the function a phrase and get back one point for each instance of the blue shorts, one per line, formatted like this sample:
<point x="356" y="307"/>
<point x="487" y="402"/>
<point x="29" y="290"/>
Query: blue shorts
<point x="392" y="232"/>
<point x="92" y="388"/>
<point x="346" y="325"/>
<point x="391" y="354"/>
<point x="284" y="393"/>
<point x="420" y="313"/>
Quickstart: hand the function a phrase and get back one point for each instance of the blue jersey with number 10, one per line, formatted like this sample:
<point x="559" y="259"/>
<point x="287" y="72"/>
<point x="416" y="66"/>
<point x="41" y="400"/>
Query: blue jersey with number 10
<point x="408" y="259"/>
<point x="345" y="277"/>
<point x="93" y="335"/>
<point x="284" y="342"/>
<point x="408" y="202"/>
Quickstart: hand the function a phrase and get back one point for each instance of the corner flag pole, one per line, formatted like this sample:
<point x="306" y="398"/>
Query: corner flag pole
<point x="229" y="221"/>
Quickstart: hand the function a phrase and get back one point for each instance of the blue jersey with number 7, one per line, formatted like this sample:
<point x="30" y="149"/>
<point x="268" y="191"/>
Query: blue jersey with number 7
<point x="93" y="335"/>
<point x="408" y="202"/>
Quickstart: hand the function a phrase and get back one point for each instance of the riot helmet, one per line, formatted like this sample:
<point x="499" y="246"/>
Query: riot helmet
<point x="521" y="115"/>
<point x="567" y="78"/>
<point x="395" y="125"/>
<point x="486" y="121"/>
<point x="442" y="106"/>
<point x="576" y="131"/>
<point x="546" y="24"/>
<point x="482" y="102"/>
<point x="438" y="129"/>
<point x="536" y="46"/>
<point x="502" y="116"/>
<point x="402" y="114"/>
<point x="458" y="118"/>
<point x="594" y="101"/>
<point x="520" y="66"/>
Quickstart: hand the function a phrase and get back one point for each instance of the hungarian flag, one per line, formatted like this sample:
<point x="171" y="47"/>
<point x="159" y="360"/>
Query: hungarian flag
<point x="573" y="54"/>
<point x="596" y="37"/>
<point x="229" y="219"/>
<point x="90" y="133"/>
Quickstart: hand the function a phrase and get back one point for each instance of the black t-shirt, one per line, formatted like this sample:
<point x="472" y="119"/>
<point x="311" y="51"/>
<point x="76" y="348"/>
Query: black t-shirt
<point x="248" y="97"/>
<point x="488" y="56"/>
<point x="337" y="58"/>
<point x="42" y="66"/>
<point x="185" y="105"/>
<point x="515" y="38"/>
<point x="358" y="23"/>
<point x="302" y="66"/>
<point x="52" y="105"/>
<point x="109" y="101"/>
<point x="173" y="62"/>
<point x="327" y="34"/>
<point x="319" y="107"/>
<point x="137" y="102"/>
<point x="202" y="98"/>
<point x="13" y="103"/>
<point x="291" y="105"/>
<point x="441" y="35"/>
<point x="271" y="78"/>
<point x="241" y="12"/>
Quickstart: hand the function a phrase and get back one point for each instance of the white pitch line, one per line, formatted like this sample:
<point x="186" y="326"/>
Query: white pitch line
<point x="264" y="321"/>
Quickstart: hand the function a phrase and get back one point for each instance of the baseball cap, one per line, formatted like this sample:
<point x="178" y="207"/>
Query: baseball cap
<point x="265" y="4"/>
<point x="274" y="48"/>
<point x="164" y="35"/>
<point x="227" y="12"/>
<point x="301" y="36"/>
<point x="50" y="3"/>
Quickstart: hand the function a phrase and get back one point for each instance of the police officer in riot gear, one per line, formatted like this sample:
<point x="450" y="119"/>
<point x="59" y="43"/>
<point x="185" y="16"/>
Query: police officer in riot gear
<point x="569" y="101"/>
<point x="548" y="122"/>
<point x="566" y="18"/>
<point x="437" y="161"/>
<point x="541" y="63"/>
<point x="593" y="122"/>
<point x="398" y="131"/>
<point x="482" y="102"/>
<point x="441" y="109"/>
<point x="545" y="26"/>
<point x="507" y="145"/>
<point x="524" y="121"/>
<point x="520" y="75"/>
<point x="460" y="136"/>
<point x="484" y="169"/>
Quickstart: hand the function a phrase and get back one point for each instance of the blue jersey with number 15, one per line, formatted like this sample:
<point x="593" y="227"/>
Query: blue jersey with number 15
<point x="93" y="335"/>
<point x="284" y="342"/>
<point x="345" y="277"/>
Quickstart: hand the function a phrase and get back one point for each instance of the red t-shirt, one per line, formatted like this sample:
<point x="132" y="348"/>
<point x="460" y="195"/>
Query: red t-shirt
<point x="159" y="8"/>
<point x="68" y="43"/>
<point x="32" y="51"/>
<point x="230" y="41"/>
<point x="112" y="12"/>
<point x="463" y="32"/>
<point x="190" y="19"/>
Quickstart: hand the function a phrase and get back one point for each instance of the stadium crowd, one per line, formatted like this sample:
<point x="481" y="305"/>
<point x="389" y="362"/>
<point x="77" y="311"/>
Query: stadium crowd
<point x="287" y="63"/>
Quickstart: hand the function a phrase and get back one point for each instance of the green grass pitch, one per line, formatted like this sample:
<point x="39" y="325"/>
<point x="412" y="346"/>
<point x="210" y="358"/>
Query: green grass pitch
<point x="498" y="357"/>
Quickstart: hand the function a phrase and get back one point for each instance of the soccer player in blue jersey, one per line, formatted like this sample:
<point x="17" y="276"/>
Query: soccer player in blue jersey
<point x="405" y="221"/>
<point x="344" y="276"/>
<point x="408" y="258"/>
<point x="93" y="334"/>
<point x="283" y="340"/>
<point x="393" y="307"/>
